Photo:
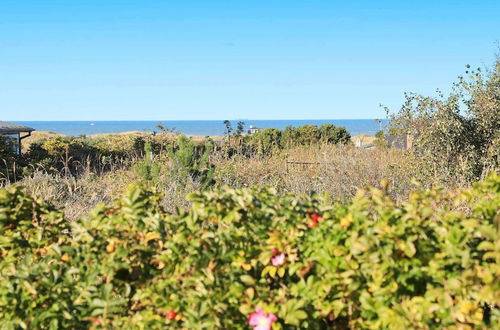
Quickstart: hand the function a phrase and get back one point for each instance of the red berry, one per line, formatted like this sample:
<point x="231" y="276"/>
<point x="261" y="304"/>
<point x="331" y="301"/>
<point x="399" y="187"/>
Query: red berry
<point x="316" y="217"/>
<point x="170" y="315"/>
<point x="313" y="223"/>
<point x="275" y="251"/>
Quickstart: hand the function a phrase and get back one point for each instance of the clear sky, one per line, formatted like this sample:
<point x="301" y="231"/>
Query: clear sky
<point x="259" y="59"/>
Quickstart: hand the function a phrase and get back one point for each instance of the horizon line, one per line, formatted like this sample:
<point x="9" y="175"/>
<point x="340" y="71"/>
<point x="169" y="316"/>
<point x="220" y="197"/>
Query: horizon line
<point x="222" y="120"/>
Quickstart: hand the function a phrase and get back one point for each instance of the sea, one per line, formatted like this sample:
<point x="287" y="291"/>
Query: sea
<point x="195" y="127"/>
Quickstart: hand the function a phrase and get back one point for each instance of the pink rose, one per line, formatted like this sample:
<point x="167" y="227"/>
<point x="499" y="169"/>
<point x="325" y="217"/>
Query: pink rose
<point x="261" y="320"/>
<point x="278" y="260"/>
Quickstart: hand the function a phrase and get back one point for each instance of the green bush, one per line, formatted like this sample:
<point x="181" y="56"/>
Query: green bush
<point x="10" y="163"/>
<point x="333" y="134"/>
<point x="147" y="169"/>
<point x="68" y="155"/>
<point x="457" y="136"/>
<point x="430" y="262"/>
<point x="269" y="140"/>
<point x="76" y="155"/>
<point x="191" y="161"/>
<point x="266" y="141"/>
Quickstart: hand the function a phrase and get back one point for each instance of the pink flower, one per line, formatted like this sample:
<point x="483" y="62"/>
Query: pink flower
<point x="278" y="260"/>
<point x="260" y="320"/>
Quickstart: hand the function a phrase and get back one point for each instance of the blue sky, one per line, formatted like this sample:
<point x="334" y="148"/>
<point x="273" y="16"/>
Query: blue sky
<point x="272" y="59"/>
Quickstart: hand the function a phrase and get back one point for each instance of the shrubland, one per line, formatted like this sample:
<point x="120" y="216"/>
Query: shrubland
<point x="339" y="170"/>
<point x="289" y="228"/>
<point x="455" y="133"/>
<point x="303" y="261"/>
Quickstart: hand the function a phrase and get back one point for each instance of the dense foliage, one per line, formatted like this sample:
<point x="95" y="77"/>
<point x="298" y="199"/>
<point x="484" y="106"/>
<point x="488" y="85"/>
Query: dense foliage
<point x="240" y="256"/>
<point x="72" y="155"/>
<point x="457" y="136"/>
<point x="191" y="162"/>
<point x="270" y="139"/>
<point x="8" y="160"/>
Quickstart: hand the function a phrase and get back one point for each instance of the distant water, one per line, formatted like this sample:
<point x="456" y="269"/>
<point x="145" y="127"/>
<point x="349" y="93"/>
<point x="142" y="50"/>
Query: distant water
<point x="195" y="127"/>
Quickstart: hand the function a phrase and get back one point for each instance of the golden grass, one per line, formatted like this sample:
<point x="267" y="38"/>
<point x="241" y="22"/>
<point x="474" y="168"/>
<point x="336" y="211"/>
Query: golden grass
<point x="338" y="170"/>
<point x="37" y="136"/>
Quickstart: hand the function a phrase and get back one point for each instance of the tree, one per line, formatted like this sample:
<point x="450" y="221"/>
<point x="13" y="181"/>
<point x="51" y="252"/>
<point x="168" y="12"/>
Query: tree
<point x="308" y="134"/>
<point x="456" y="137"/>
<point x="229" y="128"/>
<point x="191" y="161"/>
<point x="266" y="141"/>
<point x="148" y="170"/>
<point x="240" y="128"/>
<point x="330" y="133"/>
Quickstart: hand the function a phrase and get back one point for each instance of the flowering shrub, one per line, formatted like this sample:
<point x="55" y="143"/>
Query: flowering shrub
<point x="251" y="259"/>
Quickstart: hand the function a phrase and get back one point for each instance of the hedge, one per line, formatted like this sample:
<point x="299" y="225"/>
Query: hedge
<point x="247" y="258"/>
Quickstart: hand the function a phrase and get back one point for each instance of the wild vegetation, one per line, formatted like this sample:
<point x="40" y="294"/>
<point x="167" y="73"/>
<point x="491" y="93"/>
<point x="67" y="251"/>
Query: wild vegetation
<point x="283" y="228"/>
<point x="239" y="254"/>
<point x="456" y="133"/>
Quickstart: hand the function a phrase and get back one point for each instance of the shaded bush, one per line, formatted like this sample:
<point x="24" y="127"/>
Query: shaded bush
<point x="11" y="164"/>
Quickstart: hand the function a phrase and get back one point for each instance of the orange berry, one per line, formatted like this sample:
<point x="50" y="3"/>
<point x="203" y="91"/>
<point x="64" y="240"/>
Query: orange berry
<point x="110" y="248"/>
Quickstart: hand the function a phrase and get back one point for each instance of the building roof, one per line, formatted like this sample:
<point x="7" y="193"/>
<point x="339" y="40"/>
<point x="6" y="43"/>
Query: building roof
<point x="11" y="128"/>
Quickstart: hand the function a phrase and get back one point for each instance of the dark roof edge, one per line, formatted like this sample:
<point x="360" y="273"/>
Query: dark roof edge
<point x="9" y="128"/>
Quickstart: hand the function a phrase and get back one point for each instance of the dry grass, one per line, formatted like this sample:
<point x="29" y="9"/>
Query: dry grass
<point x="37" y="136"/>
<point x="77" y="197"/>
<point x="365" y="139"/>
<point x="338" y="170"/>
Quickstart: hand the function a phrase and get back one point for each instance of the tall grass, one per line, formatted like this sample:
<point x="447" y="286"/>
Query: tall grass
<point x="339" y="170"/>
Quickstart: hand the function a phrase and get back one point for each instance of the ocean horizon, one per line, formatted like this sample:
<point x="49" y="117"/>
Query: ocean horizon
<point x="194" y="127"/>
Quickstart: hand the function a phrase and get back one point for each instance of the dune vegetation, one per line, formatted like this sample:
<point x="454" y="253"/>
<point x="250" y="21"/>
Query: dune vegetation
<point x="282" y="229"/>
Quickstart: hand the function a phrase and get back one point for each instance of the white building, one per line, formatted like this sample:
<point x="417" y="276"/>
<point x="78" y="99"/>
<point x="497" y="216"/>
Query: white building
<point x="252" y="129"/>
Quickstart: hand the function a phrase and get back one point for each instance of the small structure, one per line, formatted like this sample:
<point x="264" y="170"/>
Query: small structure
<point x="253" y="130"/>
<point x="13" y="132"/>
<point x="403" y="142"/>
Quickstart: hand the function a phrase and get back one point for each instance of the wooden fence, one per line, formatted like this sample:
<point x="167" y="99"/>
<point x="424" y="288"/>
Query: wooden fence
<point x="304" y="164"/>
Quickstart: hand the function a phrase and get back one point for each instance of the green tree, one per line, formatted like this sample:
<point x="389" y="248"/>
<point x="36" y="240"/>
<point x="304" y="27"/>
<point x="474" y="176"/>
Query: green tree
<point x="330" y="133"/>
<point x="148" y="170"/>
<point x="229" y="128"/>
<point x="190" y="161"/>
<point x="266" y="141"/>
<point x="290" y="136"/>
<point x="457" y="136"/>
<point x="240" y="128"/>
<point x="308" y="134"/>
